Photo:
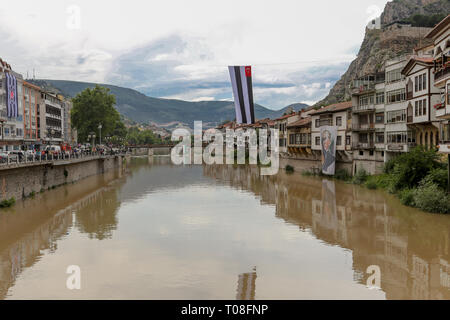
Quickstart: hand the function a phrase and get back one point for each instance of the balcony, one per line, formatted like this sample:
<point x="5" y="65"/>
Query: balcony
<point x="442" y="73"/>
<point x="363" y="127"/>
<point x="366" y="108"/>
<point x="364" y="145"/>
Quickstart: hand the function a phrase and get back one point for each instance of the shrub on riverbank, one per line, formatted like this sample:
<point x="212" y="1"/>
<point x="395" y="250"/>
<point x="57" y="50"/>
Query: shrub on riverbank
<point x="408" y="169"/>
<point x="342" y="174"/>
<point x="289" y="168"/>
<point x="7" y="203"/>
<point x="430" y="197"/>
<point x="360" y="177"/>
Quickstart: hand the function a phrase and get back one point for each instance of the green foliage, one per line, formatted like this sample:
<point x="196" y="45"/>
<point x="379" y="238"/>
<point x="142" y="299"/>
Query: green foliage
<point x="438" y="176"/>
<point x="406" y="197"/>
<point x="289" y="168"/>
<point x="360" y="177"/>
<point x="7" y="203"/>
<point x="342" y="174"/>
<point x="371" y="184"/>
<point x="409" y="168"/>
<point x="137" y="137"/>
<point x="429" y="21"/>
<point x="92" y="107"/>
<point x="429" y="197"/>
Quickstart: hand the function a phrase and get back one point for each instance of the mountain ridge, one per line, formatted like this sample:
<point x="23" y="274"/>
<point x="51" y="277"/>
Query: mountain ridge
<point x="144" y="109"/>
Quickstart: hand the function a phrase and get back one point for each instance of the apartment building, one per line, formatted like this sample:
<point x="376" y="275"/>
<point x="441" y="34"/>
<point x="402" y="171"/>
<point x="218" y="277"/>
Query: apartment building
<point x="11" y="123"/>
<point x="31" y="103"/>
<point x="281" y="124"/>
<point x="368" y="128"/>
<point x="421" y="95"/>
<point x="339" y="115"/>
<point x="440" y="35"/>
<point x="399" y="137"/>
<point x="52" y="118"/>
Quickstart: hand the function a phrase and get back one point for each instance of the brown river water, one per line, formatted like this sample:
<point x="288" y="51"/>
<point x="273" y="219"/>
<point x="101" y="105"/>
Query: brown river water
<point x="161" y="231"/>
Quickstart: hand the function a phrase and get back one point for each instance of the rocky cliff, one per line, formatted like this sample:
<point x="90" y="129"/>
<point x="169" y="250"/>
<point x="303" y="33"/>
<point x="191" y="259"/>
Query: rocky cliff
<point x="390" y="41"/>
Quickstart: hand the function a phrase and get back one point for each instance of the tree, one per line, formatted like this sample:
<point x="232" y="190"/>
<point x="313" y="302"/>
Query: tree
<point x="92" y="107"/>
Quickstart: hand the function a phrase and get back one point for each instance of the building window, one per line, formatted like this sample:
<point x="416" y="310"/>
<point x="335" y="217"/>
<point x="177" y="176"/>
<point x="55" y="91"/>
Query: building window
<point x="396" y="116"/>
<point x="379" y="137"/>
<point x="317" y="141"/>
<point x="365" y="100"/>
<point x="292" y="139"/>
<point x="379" y="118"/>
<point x="317" y="123"/>
<point x="424" y="107"/>
<point x="379" y="99"/>
<point x="371" y="152"/>
<point x="347" y="140"/>
<point x="416" y="108"/>
<point x="338" y="140"/>
<point x="448" y="93"/>
<point x="339" y="121"/>
<point x="361" y="153"/>
<point x="394" y="75"/>
<point x="382" y="153"/>
<point x="396" y="96"/>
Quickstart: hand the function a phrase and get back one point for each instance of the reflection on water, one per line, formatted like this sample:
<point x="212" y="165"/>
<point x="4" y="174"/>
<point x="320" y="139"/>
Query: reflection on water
<point x="159" y="231"/>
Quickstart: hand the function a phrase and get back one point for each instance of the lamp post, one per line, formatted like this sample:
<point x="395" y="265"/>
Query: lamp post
<point x="2" y="121"/>
<point x="100" y="133"/>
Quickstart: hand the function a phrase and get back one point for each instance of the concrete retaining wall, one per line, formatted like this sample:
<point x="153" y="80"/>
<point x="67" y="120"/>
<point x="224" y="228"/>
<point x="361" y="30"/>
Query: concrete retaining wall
<point x="300" y="165"/>
<point x="20" y="181"/>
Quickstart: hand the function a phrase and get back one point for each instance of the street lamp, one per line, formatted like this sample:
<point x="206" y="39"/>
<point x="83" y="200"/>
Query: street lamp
<point x="100" y="133"/>
<point x="2" y="121"/>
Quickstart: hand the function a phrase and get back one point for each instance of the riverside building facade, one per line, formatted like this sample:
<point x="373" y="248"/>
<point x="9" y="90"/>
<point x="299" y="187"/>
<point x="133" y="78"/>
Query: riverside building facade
<point x="368" y="128"/>
<point x="440" y="35"/>
<point x="11" y="123"/>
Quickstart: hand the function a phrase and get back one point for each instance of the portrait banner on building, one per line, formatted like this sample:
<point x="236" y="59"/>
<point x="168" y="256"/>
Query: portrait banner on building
<point x="241" y="83"/>
<point x="328" y="136"/>
<point x="12" y="105"/>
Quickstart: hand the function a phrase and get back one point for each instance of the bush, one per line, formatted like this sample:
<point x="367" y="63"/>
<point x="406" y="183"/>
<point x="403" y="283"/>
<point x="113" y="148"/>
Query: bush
<point x="429" y="197"/>
<point x="7" y="202"/>
<point x="360" y="177"/>
<point x="438" y="176"/>
<point x="371" y="184"/>
<point x="408" y="169"/>
<point x="407" y="197"/>
<point x="289" y="168"/>
<point x="342" y="174"/>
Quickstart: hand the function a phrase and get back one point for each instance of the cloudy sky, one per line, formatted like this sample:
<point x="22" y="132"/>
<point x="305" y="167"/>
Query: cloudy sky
<point x="181" y="49"/>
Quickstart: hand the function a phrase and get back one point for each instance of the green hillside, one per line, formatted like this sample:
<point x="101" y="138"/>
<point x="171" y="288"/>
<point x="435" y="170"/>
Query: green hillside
<point x="141" y="108"/>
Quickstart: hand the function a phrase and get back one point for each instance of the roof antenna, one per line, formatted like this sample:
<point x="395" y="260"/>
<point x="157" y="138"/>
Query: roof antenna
<point x="34" y="75"/>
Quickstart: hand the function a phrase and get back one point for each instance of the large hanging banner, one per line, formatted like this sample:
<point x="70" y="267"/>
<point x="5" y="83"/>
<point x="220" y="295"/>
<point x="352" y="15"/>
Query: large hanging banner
<point x="241" y="82"/>
<point x="328" y="142"/>
<point x="12" y="105"/>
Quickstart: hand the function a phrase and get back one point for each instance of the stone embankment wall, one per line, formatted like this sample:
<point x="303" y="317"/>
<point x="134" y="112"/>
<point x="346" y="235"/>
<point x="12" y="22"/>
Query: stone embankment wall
<point x="300" y="165"/>
<point x="21" y="181"/>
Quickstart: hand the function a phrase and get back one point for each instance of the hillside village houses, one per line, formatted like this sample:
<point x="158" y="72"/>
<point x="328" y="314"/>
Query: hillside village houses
<point x="42" y="117"/>
<point x="390" y="112"/>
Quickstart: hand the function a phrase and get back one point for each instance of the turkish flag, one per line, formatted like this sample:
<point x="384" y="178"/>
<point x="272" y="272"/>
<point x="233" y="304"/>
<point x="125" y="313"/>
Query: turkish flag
<point x="248" y="71"/>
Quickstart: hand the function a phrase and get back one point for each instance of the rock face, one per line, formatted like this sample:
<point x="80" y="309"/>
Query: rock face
<point x="398" y="10"/>
<point x="386" y="43"/>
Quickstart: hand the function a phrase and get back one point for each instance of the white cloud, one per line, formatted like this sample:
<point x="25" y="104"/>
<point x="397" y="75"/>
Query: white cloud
<point x="282" y="39"/>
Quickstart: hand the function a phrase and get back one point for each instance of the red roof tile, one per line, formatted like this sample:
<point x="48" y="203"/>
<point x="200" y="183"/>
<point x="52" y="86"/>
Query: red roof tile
<point x="301" y="122"/>
<point x="334" y="107"/>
